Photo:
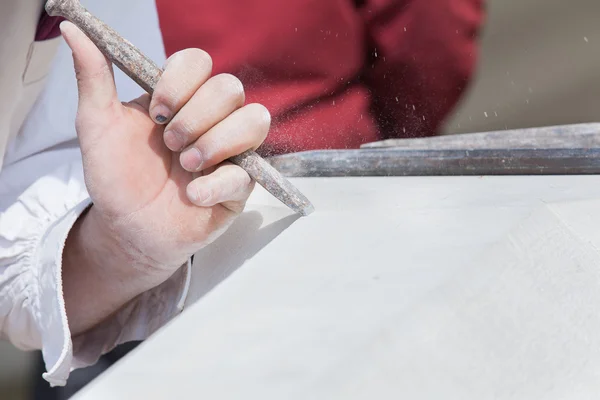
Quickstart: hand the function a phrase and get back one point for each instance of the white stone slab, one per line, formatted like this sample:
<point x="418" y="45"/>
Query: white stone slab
<point x="415" y="288"/>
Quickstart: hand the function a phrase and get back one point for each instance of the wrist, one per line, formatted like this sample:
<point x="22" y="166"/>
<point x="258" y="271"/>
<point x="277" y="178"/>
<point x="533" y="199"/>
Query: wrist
<point x="112" y="250"/>
<point x="100" y="275"/>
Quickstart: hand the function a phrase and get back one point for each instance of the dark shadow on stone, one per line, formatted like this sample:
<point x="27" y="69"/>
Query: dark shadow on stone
<point x="243" y="240"/>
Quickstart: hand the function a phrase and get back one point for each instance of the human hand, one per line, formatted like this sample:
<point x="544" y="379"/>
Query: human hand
<point x="158" y="206"/>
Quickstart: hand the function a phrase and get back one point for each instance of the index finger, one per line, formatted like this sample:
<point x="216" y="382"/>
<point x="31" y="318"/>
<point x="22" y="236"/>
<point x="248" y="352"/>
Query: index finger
<point x="184" y="73"/>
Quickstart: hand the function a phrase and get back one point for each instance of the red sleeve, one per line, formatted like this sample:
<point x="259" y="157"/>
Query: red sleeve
<point x="48" y="27"/>
<point x="423" y="55"/>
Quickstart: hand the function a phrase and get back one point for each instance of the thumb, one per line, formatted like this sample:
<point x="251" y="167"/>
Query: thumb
<point x="94" y="72"/>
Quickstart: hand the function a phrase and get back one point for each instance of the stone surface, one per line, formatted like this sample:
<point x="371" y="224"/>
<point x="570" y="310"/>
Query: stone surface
<point x="420" y="288"/>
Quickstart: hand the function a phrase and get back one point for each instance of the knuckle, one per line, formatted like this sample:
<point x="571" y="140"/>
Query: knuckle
<point x="231" y="85"/>
<point x="199" y="59"/>
<point x="243" y="180"/>
<point x="260" y="115"/>
<point x="210" y="193"/>
<point x="230" y="183"/>
<point x="182" y="70"/>
<point x="183" y="127"/>
<point x="190" y="57"/>
<point x="242" y="185"/>
<point x="219" y="189"/>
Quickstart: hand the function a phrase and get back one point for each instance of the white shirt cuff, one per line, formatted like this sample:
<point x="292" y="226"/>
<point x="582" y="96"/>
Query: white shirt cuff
<point x="135" y="321"/>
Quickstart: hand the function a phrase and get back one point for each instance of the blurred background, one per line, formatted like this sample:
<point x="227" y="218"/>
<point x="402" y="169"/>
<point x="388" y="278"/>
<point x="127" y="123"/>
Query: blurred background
<point x="539" y="66"/>
<point x="14" y="372"/>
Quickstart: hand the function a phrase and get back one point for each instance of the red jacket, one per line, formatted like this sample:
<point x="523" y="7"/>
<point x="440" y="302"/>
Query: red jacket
<point x="336" y="73"/>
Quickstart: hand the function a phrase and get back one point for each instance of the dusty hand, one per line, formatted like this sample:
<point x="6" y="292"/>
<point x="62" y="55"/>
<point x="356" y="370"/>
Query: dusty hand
<point x="159" y="205"/>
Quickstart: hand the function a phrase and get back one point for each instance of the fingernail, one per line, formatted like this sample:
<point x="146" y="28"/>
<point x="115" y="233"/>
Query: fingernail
<point x="161" y="114"/>
<point x="191" y="159"/>
<point x="173" y="140"/>
<point x="196" y="195"/>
